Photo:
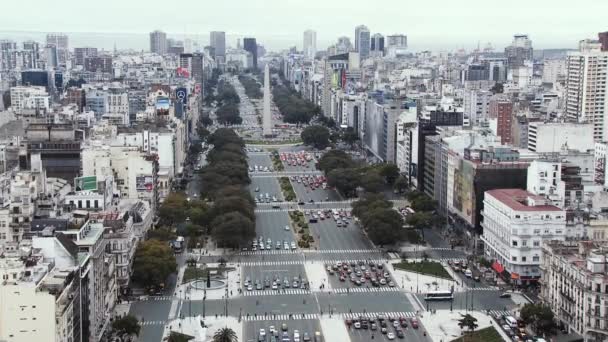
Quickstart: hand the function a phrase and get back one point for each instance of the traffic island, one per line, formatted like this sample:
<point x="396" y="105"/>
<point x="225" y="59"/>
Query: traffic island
<point x="288" y="193"/>
<point x="432" y="268"/>
<point x="301" y="228"/>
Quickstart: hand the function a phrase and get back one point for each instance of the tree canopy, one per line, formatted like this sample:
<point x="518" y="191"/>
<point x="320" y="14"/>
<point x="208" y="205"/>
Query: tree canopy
<point x="233" y="229"/>
<point x="335" y="159"/>
<point x="252" y="87"/>
<point x="468" y="321"/>
<point x="294" y="108"/>
<point x="126" y="325"/>
<point x="225" y="335"/>
<point x="154" y="261"/>
<point x="317" y="136"/>
<point x="540" y="317"/>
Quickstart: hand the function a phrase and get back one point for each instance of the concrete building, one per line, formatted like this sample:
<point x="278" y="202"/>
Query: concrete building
<point x="101" y="64"/>
<point x="381" y="128"/>
<point x="80" y="53"/>
<point x="575" y="286"/>
<point x="250" y="45"/>
<point x="519" y="51"/>
<point x="586" y="87"/>
<point x="551" y="137"/>
<point x="97" y="101"/>
<point x="32" y="97"/>
<point x="362" y="41"/>
<point x="515" y="225"/>
<point x="310" y="44"/>
<point x="476" y="105"/>
<point x="377" y="45"/>
<point x="501" y="117"/>
<point x="158" y="42"/>
<point x="60" y="42"/>
<point x="217" y="40"/>
<point x="554" y="71"/>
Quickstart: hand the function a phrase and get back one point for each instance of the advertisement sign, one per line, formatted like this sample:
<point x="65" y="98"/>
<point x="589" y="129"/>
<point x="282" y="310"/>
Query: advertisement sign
<point x="144" y="183"/>
<point x="162" y="103"/>
<point x="183" y="72"/>
<point x="464" y="200"/>
<point x="181" y="94"/>
<point x="85" y="183"/>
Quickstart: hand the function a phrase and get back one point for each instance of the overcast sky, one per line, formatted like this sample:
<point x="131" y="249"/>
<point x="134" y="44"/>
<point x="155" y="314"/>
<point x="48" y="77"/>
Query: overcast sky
<point x="435" y="24"/>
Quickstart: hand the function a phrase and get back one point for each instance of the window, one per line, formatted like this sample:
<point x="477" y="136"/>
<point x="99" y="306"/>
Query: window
<point x="536" y="243"/>
<point x="546" y="231"/>
<point x="514" y="258"/>
<point x="559" y="231"/>
<point x="514" y="243"/>
<point x="524" y="243"/>
<point x="523" y="259"/>
<point x="535" y="258"/>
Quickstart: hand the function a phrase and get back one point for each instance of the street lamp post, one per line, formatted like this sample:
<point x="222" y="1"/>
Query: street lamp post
<point x="204" y="297"/>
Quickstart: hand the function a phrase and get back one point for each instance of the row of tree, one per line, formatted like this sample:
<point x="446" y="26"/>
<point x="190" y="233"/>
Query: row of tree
<point x="382" y="224"/>
<point x="347" y="175"/>
<point x="232" y="220"/>
<point x="294" y="108"/>
<point x="227" y="112"/>
<point x="252" y="87"/>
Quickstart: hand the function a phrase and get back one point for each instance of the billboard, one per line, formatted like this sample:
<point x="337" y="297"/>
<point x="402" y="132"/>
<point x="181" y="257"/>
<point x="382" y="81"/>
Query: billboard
<point x="85" y="183"/>
<point x="181" y="95"/>
<point x="464" y="195"/>
<point x="144" y="183"/>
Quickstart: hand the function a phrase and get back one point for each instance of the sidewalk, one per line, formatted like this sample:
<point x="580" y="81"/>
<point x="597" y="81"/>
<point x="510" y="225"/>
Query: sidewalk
<point x="443" y="325"/>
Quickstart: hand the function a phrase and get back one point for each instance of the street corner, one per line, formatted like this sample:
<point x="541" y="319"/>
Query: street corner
<point x="317" y="277"/>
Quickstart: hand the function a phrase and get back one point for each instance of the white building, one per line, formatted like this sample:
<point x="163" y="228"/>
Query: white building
<point x="476" y="105"/>
<point x="575" y="286"/>
<point x="551" y="137"/>
<point x="554" y="70"/>
<point x="310" y="44"/>
<point x="515" y="225"/>
<point x="29" y="98"/>
<point x="586" y="87"/>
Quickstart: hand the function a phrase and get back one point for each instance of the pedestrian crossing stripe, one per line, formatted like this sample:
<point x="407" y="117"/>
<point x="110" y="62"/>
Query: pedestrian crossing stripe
<point x="280" y="317"/>
<point x="276" y="292"/>
<point x="153" y="323"/>
<point x="365" y="289"/>
<point x="500" y="313"/>
<point x="329" y="251"/>
<point x="311" y="251"/>
<point x="374" y="315"/>
<point x="482" y="289"/>
<point x="269" y="252"/>
<point x="146" y="298"/>
<point x="302" y="262"/>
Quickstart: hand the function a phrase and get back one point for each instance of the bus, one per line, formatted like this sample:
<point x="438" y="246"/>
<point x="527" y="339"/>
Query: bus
<point x="439" y="295"/>
<point x="178" y="244"/>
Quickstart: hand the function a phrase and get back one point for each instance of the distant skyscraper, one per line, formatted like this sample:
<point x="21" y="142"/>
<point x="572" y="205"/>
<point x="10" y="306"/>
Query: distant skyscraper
<point x="250" y="45"/>
<point x="587" y="87"/>
<point x="310" y="43"/>
<point x="377" y="43"/>
<point x="81" y="53"/>
<point x="158" y="42"/>
<point x="217" y="41"/>
<point x="60" y="41"/>
<point x="603" y="37"/>
<point x="362" y="41"/>
<point x="398" y="40"/>
<point x="50" y="55"/>
<point x="519" y="51"/>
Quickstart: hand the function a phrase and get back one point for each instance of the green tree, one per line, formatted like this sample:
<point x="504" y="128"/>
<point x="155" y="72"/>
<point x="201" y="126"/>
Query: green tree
<point x="173" y="209"/>
<point x="368" y="204"/>
<point x="203" y="132"/>
<point x="400" y="183"/>
<point x="344" y="180"/>
<point x="384" y="227"/>
<point x="232" y="229"/>
<point x="468" y="321"/>
<point x="154" y="261"/>
<point x="161" y="234"/>
<point x="371" y="181"/>
<point x="390" y="172"/>
<point x="206" y="121"/>
<point x="350" y="136"/>
<point x="335" y="159"/>
<point x="419" y="220"/>
<point x="540" y="317"/>
<point x="225" y="335"/>
<point x="239" y="204"/>
<point x="317" y="136"/>
<point x="179" y="337"/>
<point x="126" y="325"/>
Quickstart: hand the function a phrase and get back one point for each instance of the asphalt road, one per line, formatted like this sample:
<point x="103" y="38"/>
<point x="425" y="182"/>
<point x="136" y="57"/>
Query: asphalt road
<point x="282" y="272"/>
<point x="331" y="237"/>
<point x="272" y="225"/>
<point x="251" y="329"/>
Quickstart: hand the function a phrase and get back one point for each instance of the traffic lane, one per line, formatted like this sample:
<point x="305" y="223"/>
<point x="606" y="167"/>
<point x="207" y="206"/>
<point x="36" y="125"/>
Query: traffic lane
<point x="265" y="185"/>
<point x="305" y="193"/>
<point x="256" y="306"/>
<point x="365" y="335"/>
<point x="343" y="256"/>
<point x="251" y="329"/>
<point x="272" y="225"/>
<point x="151" y="332"/>
<point x="365" y="302"/>
<point x="330" y="236"/>
<point x="335" y="282"/>
<point x="150" y="310"/>
<point x="259" y="160"/>
<point x="481" y="299"/>
<point x="282" y="272"/>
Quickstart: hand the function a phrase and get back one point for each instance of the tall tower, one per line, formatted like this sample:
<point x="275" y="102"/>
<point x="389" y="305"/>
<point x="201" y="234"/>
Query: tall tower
<point x="310" y="43"/>
<point x="267" y="118"/>
<point x="362" y="41"/>
<point x="250" y="45"/>
<point x="217" y="40"/>
<point x="158" y="42"/>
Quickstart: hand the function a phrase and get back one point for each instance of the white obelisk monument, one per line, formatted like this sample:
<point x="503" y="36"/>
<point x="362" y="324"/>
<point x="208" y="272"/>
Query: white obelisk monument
<point x="267" y="117"/>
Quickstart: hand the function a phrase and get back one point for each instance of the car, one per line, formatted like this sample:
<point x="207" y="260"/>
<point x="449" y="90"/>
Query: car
<point x="390" y="336"/>
<point x="296" y="336"/>
<point x="284" y="327"/>
<point x="382" y="281"/>
<point x="286" y="228"/>
<point x="258" y="286"/>
<point x="293" y="245"/>
<point x="391" y="284"/>
<point x="286" y="246"/>
<point x="278" y="245"/>
<point x="384" y="331"/>
<point x="249" y="287"/>
<point x="414" y="323"/>
<point x="275" y="286"/>
<point x="505" y="295"/>
<point x="383" y="324"/>
<point x="374" y="326"/>
<point x="400" y="333"/>
<point x="262" y="332"/>
<point x="305" y="337"/>
<point x="257" y="189"/>
<point x="357" y="325"/>
<point x="348" y="322"/>
<point x="272" y="330"/>
<point x="262" y="247"/>
<point x="396" y="324"/>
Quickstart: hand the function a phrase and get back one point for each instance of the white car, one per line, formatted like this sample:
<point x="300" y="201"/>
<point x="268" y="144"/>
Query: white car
<point x="286" y="227"/>
<point x="296" y="336"/>
<point x="275" y="286"/>
<point x="390" y="336"/>
<point x="249" y="287"/>
<point x="293" y="245"/>
<point x="262" y="333"/>
<point x="285" y="246"/>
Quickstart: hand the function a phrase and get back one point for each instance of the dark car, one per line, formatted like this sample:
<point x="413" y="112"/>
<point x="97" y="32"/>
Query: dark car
<point x="400" y="333"/>
<point x="505" y="295"/>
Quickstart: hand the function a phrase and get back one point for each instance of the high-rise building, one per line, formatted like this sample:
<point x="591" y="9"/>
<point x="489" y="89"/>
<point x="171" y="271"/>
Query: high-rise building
<point x="362" y="41"/>
<point x="399" y="40"/>
<point x="217" y="40"/>
<point x="50" y="55"/>
<point x="60" y="41"/>
<point x="158" y="42"/>
<point x="250" y="45"/>
<point x="310" y="44"/>
<point x="603" y="37"/>
<point x="6" y="49"/>
<point x="83" y="52"/>
<point x="501" y="113"/>
<point x="377" y="43"/>
<point x="586" y="86"/>
<point x="519" y="51"/>
<point x="98" y="64"/>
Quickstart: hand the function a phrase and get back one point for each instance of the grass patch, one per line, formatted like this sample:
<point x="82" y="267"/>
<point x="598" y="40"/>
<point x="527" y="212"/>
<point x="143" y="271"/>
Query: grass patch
<point x="288" y="193"/>
<point x="300" y="225"/>
<point x="432" y="268"/>
<point x="276" y="161"/>
<point x="488" y="334"/>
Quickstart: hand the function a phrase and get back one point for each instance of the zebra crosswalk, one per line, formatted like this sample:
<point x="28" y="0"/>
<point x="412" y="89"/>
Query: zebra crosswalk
<point x="146" y="298"/>
<point x="365" y="289"/>
<point x="272" y="263"/>
<point x="330" y="251"/>
<point x="374" y="315"/>
<point x="499" y="313"/>
<point x="281" y="317"/>
<point x="276" y="292"/>
<point x="268" y="252"/>
<point x="491" y="288"/>
<point x="153" y="323"/>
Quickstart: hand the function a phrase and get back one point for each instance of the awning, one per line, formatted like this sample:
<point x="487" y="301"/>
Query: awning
<point x="496" y="266"/>
<point x="514" y="276"/>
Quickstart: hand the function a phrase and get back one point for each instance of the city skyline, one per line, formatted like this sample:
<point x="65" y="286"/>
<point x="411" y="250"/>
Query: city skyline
<point x="466" y="28"/>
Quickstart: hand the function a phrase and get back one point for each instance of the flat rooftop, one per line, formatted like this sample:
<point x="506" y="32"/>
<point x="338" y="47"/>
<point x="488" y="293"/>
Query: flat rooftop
<point x="517" y="199"/>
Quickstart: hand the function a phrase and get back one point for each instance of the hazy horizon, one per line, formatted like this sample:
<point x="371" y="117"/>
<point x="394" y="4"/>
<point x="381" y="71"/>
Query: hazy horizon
<point x="279" y="24"/>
